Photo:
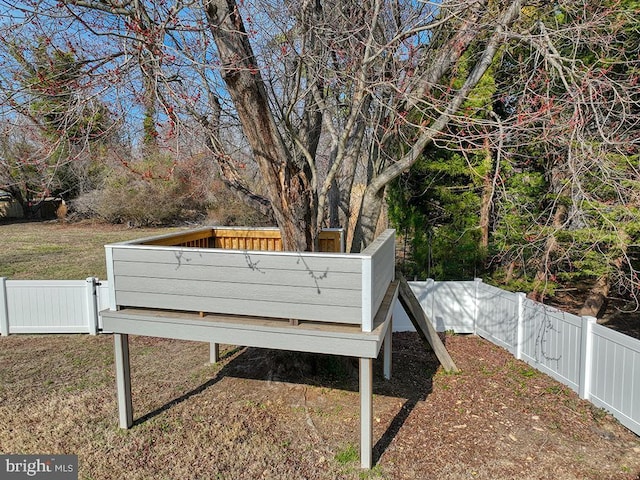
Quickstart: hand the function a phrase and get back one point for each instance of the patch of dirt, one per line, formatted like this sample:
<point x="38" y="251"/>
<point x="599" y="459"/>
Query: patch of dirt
<point x="503" y="419"/>
<point x="246" y="419"/>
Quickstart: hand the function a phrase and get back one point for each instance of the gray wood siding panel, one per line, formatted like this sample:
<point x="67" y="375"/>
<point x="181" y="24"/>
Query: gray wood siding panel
<point x="277" y="284"/>
<point x="276" y="308"/>
<point x="309" y="294"/>
<point x="343" y="280"/>
<point x="302" y="285"/>
<point x="312" y="263"/>
<point x="383" y="255"/>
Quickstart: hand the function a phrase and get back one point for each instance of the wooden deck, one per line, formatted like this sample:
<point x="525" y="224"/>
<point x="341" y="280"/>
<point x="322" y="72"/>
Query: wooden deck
<point x="161" y="273"/>
<point x="181" y="286"/>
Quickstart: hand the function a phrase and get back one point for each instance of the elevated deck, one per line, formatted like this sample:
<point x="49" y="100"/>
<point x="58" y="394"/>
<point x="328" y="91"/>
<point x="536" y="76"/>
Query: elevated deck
<point x="181" y="286"/>
<point x="163" y="273"/>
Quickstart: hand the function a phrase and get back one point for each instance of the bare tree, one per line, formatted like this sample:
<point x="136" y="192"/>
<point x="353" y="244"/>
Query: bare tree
<point x="50" y="127"/>
<point x="328" y="96"/>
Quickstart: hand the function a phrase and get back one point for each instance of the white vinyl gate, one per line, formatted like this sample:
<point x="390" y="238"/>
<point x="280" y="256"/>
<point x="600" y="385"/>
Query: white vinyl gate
<point x="51" y="306"/>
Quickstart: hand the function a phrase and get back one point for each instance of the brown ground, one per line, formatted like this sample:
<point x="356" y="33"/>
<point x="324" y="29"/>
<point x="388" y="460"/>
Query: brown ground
<point x="242" y="419"/>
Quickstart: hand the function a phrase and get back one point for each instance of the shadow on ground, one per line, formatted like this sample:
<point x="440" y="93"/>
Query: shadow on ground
<point x="414" y="365"/>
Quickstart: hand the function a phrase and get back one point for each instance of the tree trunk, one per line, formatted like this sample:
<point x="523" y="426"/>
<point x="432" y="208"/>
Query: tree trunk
<point x="597" y="299"/>
<point x="545" y="263"/>
<point x="487" y="197"/>
<point x="286" y="184"/>
<point x="367" y="225"/>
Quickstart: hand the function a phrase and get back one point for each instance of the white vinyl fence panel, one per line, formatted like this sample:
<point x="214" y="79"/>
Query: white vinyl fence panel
<point x="600" y="364"/>
<point x="497" y="316"/>
<point x="552" y="342"/>
<point x="451" y="306"/>
<point x="615" y="375"/>
<point x="48" y="306"/>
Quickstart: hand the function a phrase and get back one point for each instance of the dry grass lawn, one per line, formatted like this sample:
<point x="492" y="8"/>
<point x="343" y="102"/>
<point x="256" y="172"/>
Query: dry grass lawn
<point x="244" y="419"/>
<point x="59" y="251"/>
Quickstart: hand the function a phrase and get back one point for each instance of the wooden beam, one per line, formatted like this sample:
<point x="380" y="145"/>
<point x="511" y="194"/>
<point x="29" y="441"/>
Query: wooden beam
<point x="423" y="325"/>
<point x="331" y="240"/>
<point x="181" y="238"/>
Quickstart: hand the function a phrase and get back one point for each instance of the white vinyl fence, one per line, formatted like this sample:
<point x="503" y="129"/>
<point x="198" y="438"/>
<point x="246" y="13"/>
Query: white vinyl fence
<point x="598" y="363"/>
<point x="51" y="306"/>
<point x="602" y="365"/>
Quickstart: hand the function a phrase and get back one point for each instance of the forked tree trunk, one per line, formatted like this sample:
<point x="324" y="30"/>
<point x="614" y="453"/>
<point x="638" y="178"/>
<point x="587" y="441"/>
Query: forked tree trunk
<point x="286" y="185"/>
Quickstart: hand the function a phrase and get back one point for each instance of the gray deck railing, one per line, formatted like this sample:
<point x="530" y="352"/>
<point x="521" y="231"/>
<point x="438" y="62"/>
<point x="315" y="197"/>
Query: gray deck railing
<point x="316" y="286"/>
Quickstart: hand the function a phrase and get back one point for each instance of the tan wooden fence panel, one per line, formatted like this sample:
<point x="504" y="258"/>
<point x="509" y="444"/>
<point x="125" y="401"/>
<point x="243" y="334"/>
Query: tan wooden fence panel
<point x="231" y="238"/>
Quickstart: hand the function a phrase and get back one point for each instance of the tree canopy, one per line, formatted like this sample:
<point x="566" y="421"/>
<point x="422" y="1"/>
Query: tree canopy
<point x="303" y="104"/>
<point x="551" y="167"/>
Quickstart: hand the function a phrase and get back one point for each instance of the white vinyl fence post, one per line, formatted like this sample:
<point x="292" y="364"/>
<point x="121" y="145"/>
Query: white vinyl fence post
<point x="476" y="303"/>
<point x="4" y="307"/>
<point x="520" y="325"/>
<point x="92" y="306"/>
<point x="586" y="356"/>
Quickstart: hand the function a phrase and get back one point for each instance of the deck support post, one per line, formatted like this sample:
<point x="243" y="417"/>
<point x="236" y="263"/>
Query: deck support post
<point x="386" y="353"/>
<point x="123" y="379"/>
<point x="214" y="352"/>
<point x="366" y="412"/>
